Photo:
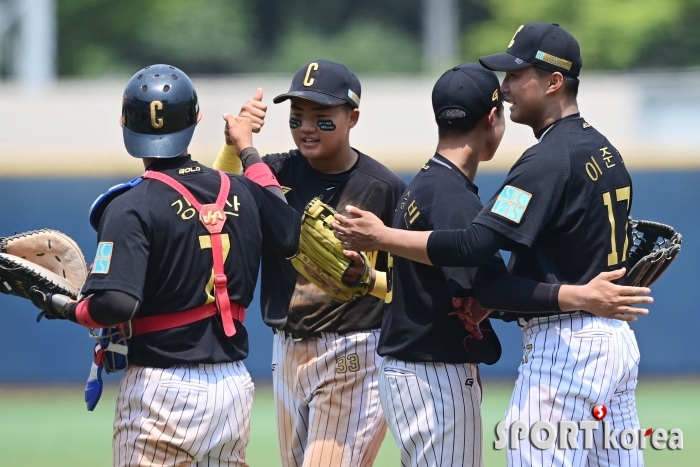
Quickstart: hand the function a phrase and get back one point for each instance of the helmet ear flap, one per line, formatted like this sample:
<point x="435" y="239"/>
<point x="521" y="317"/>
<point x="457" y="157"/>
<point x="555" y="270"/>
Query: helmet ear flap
<point x="159" y="112"/>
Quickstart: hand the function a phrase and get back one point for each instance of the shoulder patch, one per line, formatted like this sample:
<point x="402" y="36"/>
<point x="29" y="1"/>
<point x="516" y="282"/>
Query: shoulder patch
<point x="425" y="168"/>
<point x="586" y="125"/>
<point x="285" y="189"/>
<point x="512" y="203"/>
<point x="103" y="258"/>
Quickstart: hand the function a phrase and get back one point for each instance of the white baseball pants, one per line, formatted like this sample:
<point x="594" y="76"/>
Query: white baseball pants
<point x="184" y="416"/>
<point x="327" y="399"/>
<point x="570" y="364"/>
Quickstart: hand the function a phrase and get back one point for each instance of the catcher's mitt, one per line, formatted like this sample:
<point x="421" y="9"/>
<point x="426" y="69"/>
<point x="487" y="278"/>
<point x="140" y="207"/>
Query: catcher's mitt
<point x="320" y="257"/>
<point x="654" y="247"/>
<point x="46" y="260"/>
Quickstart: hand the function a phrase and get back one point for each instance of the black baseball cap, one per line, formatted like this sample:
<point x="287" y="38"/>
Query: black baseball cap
<point x="468" y="87"/>
<point x="540" y="44"/>
<point x="324" y="82"/>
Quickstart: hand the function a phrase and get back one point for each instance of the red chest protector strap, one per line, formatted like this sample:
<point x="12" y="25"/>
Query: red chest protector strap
<point x="213" y="218"/>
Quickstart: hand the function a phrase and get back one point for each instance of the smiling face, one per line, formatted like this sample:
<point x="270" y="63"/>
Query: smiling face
<point x="525" y="91"/>
<point x="321" y="131"/>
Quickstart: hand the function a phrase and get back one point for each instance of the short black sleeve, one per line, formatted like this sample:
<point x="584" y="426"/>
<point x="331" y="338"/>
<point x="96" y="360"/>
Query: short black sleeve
<point x="122" y="252"/>
<point x="280" y="224"/>
<point x="529" y="197"/>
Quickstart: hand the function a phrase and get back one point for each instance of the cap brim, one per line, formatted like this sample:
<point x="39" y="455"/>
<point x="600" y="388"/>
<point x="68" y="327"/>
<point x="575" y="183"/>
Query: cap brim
<point x="503" y="62"/>
<point x="318" y="97"/>
<point x="164" y="146"/>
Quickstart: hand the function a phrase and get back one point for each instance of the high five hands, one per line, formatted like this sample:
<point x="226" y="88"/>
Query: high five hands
<point x="238" y="130"/>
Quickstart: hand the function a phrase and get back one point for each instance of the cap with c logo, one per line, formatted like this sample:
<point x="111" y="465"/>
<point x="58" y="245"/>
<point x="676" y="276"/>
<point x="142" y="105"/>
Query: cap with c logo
<point x="538" y="44"/>
<point x="324" y="82"/>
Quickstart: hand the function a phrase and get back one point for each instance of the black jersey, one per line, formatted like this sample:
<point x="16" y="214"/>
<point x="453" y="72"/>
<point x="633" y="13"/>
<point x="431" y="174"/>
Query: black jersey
<point x="154" y="248"/>
<point x="565" y="205"/>
<point x="289" y="301"/>
<point x="417" y="325"/>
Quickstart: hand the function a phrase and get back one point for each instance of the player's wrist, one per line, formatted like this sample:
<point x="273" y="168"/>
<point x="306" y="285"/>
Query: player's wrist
<point x="249" y="156"/>
<point x="572" y="297"/>
<point x="383" y="239"/>
<point x="228" y="160"/>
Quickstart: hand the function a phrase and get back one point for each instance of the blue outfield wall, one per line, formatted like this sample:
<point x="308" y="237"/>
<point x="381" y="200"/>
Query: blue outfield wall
<point x="61" y="351"/>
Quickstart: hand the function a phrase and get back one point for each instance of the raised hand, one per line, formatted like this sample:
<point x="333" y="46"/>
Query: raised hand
<point x="255" y="110"/>
<point x="361" y="232"/>
<point x="238" y="132"/>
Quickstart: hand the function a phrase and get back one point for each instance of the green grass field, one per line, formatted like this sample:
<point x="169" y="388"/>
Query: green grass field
<point x="49" y="425"/>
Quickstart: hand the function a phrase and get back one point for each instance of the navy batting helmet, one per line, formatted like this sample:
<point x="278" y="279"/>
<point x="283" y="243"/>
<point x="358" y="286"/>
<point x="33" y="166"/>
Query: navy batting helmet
<point x="159" y="112"/>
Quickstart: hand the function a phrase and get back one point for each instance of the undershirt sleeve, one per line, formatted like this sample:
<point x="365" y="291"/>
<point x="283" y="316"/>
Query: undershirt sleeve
<point x="250" y="156"/>
<point x="108" y="308"/>
<point x="498" y="290"/>
<point x="471" y="247"/>
<point x="476" y="246"/>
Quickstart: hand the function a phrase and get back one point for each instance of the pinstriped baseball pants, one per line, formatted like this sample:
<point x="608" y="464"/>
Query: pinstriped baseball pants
<point x="327" y="399"/>
<point x="433" y="411"/>
<point x="572" y="363"/>
<point x="183" y="416"/>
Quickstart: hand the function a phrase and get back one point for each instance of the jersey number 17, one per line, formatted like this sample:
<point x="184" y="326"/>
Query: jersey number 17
<point x="621" y="195"/>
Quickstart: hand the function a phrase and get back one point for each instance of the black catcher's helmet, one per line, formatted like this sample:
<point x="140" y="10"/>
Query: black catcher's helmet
<point x="159" y="112"/>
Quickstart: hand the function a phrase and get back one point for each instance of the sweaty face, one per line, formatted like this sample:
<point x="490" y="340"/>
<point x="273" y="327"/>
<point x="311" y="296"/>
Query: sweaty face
<point x="320" y="131"/>
<point x="525" y="91"/>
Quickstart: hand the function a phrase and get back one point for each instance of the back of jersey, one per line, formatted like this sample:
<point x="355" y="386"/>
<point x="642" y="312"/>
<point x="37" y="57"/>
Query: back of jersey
<point x="161" y="254"/>
<point x="565" y="204"/>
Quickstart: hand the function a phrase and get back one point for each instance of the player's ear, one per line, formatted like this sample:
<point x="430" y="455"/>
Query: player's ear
<point x="556" y="82"/>
<point x="199" y="116"/>
<point x="490" y="119"/>
<point x="353" y="117"/>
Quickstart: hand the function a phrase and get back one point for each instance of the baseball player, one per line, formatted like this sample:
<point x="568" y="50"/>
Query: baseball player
<point x="430" y="359"/>
<point x="563" y="212"/>
<point x="176" y="265"/>
<point x="325" y="364"/>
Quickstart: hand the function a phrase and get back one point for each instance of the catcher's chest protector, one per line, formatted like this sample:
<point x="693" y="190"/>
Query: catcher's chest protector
<point x="213" y="218"/>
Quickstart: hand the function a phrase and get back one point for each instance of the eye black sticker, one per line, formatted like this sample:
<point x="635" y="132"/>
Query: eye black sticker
<point x="326" y="125"/>
<point x="294" y="123"/>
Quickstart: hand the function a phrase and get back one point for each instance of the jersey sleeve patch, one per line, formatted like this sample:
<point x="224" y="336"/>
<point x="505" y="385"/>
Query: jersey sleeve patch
<point x="103" y="258"/>
<point x="511" y="203"/>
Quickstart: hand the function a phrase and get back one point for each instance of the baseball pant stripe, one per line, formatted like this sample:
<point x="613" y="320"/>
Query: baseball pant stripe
<point x="587" y="361"/>
<point x="327" y="399"/>
<point x="433" y="411"/>
<point x="184" y="415"/>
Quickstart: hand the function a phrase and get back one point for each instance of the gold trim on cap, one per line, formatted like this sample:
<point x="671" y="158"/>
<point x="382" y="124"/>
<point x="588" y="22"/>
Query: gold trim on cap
<point x="355" y="98"/>
<point x="552" y="60"/>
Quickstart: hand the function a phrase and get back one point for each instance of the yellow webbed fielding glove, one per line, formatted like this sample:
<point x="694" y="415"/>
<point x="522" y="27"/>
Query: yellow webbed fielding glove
<point x="320" y="257"/>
